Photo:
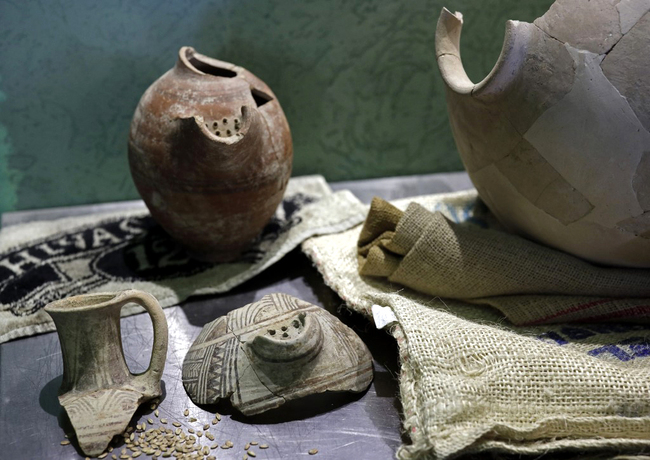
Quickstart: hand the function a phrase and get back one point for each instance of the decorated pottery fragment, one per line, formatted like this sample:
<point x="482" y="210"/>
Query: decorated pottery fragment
<point x="275" y="350"/>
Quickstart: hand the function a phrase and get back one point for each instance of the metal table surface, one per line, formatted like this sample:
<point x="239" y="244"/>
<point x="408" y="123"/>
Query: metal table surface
<point x="339" y="425"/>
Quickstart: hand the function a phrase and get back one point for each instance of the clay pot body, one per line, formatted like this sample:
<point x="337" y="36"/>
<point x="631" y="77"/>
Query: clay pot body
<point x="556" y="138"/>
<point x="210" y="153"/>
<point x="98" y="391"/>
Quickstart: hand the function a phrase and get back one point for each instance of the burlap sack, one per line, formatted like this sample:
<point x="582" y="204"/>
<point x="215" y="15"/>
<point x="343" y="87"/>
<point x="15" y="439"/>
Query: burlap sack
<point x="472" y="382"/>
<point x="48" y="260"/>
<point x="530" y="283"/>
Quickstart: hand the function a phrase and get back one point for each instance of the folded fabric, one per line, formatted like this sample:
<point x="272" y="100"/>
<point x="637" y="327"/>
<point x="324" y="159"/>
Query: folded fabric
<point x="471" y="381"/>
<point x="528" y="282"/>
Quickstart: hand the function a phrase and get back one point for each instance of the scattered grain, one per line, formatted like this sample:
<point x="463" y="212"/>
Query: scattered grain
<point x="102" y="455"/>
<point x="217" y="416"/>
<point x="156" y="413"/>
<point x="65" y="442"/>
<point x="264" y="446"/>
<point x="206" y="427"/>
<point x="186" y="412"/>
<point x="251" y="453"/>
<point x="176" y="424"/>
<point x="254" y="443"/>
<point x="150" y="421"/>
<point x="163" y="420"/>
<point x="313" y="452"/>
<point x="192" y="419"/>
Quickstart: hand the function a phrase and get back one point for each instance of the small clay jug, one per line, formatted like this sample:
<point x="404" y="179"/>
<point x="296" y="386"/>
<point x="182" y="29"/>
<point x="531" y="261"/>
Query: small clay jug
<point x="210" y="153"/>
<point x="98" y="391"/>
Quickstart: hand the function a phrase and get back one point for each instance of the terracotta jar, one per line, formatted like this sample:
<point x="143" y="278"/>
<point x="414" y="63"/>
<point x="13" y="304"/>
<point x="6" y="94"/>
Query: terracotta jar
<point x="210" y="153"/>
<point x="557" y="137"/>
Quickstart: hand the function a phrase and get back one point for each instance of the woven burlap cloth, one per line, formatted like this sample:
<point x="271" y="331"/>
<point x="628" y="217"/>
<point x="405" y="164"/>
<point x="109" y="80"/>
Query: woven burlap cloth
<point x="48" y="260"/>
<point x="471" y="380"/>
<point x="528" y="282"/>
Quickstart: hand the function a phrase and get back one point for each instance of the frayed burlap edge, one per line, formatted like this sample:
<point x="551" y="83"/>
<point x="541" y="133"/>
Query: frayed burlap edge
<point x="422" y="448"/>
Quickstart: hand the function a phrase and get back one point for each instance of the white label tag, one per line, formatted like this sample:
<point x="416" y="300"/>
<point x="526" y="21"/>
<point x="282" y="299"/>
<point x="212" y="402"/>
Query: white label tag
<point x="383" y="316"/>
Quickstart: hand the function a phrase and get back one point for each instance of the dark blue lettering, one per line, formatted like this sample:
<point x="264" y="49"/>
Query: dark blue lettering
<point x="553" y="336"/>
<point x="613" y="350"/>
<point x="640" y="346"/>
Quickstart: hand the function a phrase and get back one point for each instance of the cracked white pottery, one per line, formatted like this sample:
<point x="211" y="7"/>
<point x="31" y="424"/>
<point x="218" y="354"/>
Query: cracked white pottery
<point x="556" y="138"/>
<point x="272" y="351"/>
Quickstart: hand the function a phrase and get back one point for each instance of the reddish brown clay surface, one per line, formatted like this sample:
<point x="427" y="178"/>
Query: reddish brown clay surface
<point x="210" y="153"/>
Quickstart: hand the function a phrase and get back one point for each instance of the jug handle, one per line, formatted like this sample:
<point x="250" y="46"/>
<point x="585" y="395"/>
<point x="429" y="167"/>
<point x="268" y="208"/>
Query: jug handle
<point x="154" y="372"/>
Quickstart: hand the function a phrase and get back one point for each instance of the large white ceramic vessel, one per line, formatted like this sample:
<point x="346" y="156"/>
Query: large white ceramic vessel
<point x="557" y="137"/>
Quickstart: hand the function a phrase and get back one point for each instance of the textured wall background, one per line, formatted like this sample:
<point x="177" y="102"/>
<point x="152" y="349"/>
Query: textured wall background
<point x="357" y="80"/>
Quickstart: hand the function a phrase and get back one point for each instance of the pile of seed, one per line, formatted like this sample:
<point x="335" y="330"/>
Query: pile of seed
<point x="166" y="442"/>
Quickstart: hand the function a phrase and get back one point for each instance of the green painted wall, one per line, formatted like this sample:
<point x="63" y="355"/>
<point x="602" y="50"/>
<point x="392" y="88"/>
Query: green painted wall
<point x="357" y="79"/>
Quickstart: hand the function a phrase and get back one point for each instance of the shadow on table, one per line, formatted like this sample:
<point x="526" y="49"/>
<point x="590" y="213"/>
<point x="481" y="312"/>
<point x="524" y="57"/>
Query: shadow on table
<point x="297" y="409"/>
